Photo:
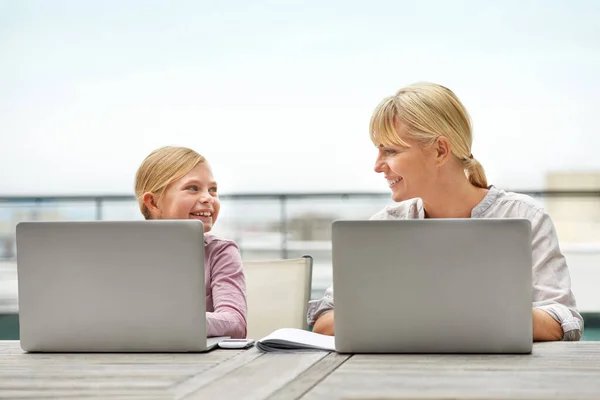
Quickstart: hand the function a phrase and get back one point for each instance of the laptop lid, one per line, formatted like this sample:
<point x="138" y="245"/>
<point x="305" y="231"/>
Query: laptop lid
<point x="433" y="286"/>
<point x="111" y="286"/>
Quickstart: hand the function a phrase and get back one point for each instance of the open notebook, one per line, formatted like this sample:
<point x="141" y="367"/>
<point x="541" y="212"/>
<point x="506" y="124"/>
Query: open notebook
<point x="294" y="340"/>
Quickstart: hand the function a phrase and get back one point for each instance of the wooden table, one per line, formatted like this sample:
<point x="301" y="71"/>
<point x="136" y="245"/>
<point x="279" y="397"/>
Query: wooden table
<point x="555" y="370"/>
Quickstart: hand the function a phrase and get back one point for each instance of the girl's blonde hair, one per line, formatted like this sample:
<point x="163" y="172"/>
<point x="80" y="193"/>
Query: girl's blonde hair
<point x="161" y="168"/>
<point x="428" y="111"/>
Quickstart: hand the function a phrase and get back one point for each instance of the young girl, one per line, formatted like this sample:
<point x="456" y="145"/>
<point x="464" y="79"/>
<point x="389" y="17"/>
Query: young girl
<point x="177" y="183"/>
<point x="423" y="136"/>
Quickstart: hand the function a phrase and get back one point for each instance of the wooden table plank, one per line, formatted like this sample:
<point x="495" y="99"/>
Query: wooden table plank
<point x="259" y="378"/>
<point x="311" y="377"/>
<point x="553" y="371"/>
<point x="195" y="383"/>
<point x="108" y="375"/>
<point x="71" y="394"/>
<point x="74" y="395"/>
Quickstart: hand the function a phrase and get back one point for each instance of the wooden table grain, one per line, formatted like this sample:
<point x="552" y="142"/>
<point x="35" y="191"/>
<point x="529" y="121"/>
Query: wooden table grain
<point x="561" y="370"/>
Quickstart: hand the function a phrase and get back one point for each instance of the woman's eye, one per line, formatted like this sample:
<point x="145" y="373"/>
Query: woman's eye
<point x="390" y="152"/>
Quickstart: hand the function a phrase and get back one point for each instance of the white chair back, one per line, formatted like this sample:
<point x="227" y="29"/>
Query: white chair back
<point x="278" y="292"/>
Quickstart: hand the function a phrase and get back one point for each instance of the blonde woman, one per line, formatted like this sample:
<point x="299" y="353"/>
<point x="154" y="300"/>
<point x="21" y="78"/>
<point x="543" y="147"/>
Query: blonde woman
<point x="178" y="183"/>
<point x="423" y="135"/>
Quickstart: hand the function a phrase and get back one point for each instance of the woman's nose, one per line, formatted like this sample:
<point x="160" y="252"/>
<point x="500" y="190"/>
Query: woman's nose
<point x="379" y="165"/>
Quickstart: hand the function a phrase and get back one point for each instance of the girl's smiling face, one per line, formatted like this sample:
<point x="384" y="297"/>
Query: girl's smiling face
<point x="194" y="196"/>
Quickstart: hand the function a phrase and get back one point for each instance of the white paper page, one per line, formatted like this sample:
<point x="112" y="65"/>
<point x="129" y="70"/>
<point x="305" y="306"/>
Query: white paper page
<point x="302" y="337"/>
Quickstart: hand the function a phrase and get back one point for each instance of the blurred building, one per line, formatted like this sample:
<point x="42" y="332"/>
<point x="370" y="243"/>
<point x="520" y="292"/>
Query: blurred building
<point x="577" y="218"/>
<point x="311" y="226"/>
<point x="8" y="247"/>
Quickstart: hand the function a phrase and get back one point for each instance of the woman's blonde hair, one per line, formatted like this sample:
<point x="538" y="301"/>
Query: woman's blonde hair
<point x="161" y="168"/>
<point x="428" y="111"/>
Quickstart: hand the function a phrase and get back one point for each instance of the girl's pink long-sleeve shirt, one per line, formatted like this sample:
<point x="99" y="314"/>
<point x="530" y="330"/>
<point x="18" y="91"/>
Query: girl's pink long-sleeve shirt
<point x="225" y="284"/>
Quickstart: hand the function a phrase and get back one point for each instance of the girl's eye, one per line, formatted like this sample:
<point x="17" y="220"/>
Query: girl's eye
<point x="213" y="190"/>
<point x="390" y="152"/>
<point x="193" y="188"/>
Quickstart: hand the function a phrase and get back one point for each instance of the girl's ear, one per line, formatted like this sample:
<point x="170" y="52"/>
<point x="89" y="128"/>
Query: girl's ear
<point x="151" y="203"/>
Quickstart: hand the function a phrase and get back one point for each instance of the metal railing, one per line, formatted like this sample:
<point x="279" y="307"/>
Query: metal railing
<point x="287" y="225"/>
<point x="278" y="209"/>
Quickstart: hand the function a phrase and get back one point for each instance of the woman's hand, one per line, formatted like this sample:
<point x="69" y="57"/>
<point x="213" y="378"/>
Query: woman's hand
<point x="324" y="324"/>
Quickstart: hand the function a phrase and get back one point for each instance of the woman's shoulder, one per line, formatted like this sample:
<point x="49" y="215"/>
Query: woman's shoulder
<point x="407" y="209"/>
<point x="511" y="204"/>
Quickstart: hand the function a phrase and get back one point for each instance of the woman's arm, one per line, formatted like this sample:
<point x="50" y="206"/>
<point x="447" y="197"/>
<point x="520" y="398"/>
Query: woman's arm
<point x="545" y="328"/>
<point x="320" y="313"/>
<point x="228" y="286"/>
<point x="555" y="315"/>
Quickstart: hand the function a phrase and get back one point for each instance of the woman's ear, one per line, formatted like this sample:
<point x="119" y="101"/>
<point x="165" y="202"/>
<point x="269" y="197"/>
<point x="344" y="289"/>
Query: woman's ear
<point x="151" y="203"/>
<point x="442" y="150"/>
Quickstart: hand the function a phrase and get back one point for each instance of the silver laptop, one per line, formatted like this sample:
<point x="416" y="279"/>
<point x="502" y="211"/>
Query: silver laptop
<point x="102" y="286"/>
<point x="433" y="286"/>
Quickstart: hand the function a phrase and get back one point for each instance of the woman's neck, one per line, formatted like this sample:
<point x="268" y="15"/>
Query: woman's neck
<point x="455" y="199"/>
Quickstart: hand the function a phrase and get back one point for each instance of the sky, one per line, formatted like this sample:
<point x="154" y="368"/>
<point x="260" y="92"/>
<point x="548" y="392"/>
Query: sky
<point x="278" y="94"/>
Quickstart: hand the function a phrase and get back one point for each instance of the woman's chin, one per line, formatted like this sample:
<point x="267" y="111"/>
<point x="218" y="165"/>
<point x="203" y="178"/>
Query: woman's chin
<point x="398" y="197"/>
